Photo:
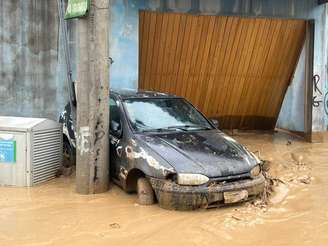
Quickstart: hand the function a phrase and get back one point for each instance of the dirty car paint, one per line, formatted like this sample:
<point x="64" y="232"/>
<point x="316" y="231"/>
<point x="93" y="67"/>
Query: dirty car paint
<point x="207" y="152"/>
<point x="68" y="127"/>
<point x="145" y="159"/>
<point x="161" y="155"/>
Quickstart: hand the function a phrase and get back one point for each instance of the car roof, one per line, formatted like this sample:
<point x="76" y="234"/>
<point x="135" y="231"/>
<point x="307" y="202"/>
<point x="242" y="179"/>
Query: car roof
<point x="137" y="93"/>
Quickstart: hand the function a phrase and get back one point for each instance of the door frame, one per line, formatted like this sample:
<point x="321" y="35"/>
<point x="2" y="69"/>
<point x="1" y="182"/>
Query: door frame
<point x="308" y="92"/>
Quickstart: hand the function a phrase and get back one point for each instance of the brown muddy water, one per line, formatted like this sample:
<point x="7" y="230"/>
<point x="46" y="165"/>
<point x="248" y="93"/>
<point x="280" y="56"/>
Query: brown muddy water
<point x="53" y="214"/>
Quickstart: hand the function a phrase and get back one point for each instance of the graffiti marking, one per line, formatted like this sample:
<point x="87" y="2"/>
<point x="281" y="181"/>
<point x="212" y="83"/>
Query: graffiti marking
<point x="84" y="140"/>
<point x="316" y="103"/>
<point x="316" y="80"/>
<point x="316" y="100"/>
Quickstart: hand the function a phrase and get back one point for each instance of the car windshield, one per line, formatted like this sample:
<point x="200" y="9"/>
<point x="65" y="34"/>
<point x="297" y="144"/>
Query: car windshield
<point x="158" y="114"/>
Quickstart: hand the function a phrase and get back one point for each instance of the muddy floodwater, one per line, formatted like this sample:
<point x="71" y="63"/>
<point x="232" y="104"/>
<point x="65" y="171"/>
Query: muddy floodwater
<point x="296" y="214"/>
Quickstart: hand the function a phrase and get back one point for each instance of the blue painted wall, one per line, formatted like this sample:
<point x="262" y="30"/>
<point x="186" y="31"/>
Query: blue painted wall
<point x="292" y="111"/>
<point x="124" y="44"/>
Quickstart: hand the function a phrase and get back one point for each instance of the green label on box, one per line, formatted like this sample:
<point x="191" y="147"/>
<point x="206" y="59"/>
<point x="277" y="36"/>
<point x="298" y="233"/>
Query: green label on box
<point x="7" y="151"/>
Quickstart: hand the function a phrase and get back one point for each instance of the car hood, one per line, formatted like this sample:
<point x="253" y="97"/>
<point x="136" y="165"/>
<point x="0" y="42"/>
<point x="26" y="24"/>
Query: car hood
<point x="209" y="152"/>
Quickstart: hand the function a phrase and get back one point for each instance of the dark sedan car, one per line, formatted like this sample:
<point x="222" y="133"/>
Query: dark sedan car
<point x="166" y="150"/>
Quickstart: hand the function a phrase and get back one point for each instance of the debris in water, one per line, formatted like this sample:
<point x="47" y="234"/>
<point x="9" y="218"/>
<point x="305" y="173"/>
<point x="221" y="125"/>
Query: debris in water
<point x="305" y="179"/>
<point x="115" y="225"/>
<point x="299" y="158"/>
<point x="269" y="186"/>
<point x="266" y="165"/>
<point x="280" y="193"/>
<point x="235" y="217"/>
<point x="277" y="189"/>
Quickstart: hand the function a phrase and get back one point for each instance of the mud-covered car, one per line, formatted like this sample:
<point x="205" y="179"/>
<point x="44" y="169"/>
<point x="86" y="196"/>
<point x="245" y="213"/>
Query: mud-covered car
<point x="164" y="149"/>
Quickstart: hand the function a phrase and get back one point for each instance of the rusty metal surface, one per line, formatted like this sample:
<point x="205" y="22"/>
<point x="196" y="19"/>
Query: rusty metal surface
<point x="228" y="67"/>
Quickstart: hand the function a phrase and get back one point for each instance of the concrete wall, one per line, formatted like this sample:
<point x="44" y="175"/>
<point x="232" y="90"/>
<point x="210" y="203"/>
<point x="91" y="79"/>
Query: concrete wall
<point x="31" y="77"/>
<point x="292" y="112"/>
<point x="320" y="84"/>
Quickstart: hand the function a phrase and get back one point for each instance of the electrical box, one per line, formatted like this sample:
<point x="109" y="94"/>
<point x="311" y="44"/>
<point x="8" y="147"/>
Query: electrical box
<point x="31" y="150"/>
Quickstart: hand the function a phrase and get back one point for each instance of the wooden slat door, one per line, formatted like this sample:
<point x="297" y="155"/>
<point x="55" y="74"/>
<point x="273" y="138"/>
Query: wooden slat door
<point x="231" y="68"/>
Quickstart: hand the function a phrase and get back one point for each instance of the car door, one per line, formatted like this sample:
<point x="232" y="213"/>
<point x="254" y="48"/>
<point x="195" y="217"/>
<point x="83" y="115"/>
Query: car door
<point x="115" y="137"/>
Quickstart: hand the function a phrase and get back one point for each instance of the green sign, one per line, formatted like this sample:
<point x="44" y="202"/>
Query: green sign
<point x="77" y="8"/>
<point x="7" y="151"/>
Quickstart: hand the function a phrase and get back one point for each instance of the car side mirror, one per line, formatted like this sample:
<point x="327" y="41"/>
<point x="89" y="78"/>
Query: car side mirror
<point x="215" y="122"/>
<point x="115" y="128"/>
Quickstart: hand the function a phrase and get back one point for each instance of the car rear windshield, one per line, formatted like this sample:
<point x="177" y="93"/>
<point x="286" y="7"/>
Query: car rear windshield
<point x="163" y="114"/>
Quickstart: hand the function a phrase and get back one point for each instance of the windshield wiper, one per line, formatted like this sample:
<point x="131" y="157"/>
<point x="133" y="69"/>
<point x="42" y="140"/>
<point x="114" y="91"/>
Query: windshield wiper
<point x="173" y="128"/>
<point x="186" y="127"/>
<point x="157" y="129"/>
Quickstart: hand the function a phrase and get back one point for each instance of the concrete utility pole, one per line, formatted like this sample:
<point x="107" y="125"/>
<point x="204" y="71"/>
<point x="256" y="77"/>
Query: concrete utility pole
<point x="92" y="155"/>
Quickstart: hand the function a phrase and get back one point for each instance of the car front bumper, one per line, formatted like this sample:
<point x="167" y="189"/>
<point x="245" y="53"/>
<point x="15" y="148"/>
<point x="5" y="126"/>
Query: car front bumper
<point x="170" y="195"/>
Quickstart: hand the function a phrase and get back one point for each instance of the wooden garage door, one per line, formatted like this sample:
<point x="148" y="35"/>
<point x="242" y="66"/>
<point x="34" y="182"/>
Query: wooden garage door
<point x="231" y="68"/>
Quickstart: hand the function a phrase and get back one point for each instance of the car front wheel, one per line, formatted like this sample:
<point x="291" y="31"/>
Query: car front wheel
<point x="145" y="192"/>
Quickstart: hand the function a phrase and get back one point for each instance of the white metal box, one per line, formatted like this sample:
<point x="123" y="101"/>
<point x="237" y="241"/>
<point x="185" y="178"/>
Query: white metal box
<point x="30" y="150"/>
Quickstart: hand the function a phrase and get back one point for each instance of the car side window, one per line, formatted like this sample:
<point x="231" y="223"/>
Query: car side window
<point x="115" y="119"/>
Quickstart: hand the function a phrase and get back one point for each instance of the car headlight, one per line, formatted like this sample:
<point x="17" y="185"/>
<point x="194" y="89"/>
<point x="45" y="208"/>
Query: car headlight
<point x="255" y="171"/>
<point x="191" y="179"/>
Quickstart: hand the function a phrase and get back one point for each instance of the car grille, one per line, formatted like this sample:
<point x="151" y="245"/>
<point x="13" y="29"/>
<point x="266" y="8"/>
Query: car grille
<point x="228" y="179"/>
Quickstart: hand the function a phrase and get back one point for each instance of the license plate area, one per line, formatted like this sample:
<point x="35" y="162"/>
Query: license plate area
<point x="235" y="196"/>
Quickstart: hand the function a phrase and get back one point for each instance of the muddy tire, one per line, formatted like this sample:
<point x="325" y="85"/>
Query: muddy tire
<point x="145" y="192"/>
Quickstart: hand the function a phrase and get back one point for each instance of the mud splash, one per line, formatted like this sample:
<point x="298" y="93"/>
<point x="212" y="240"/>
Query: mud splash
<point x="295" y="214"/>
